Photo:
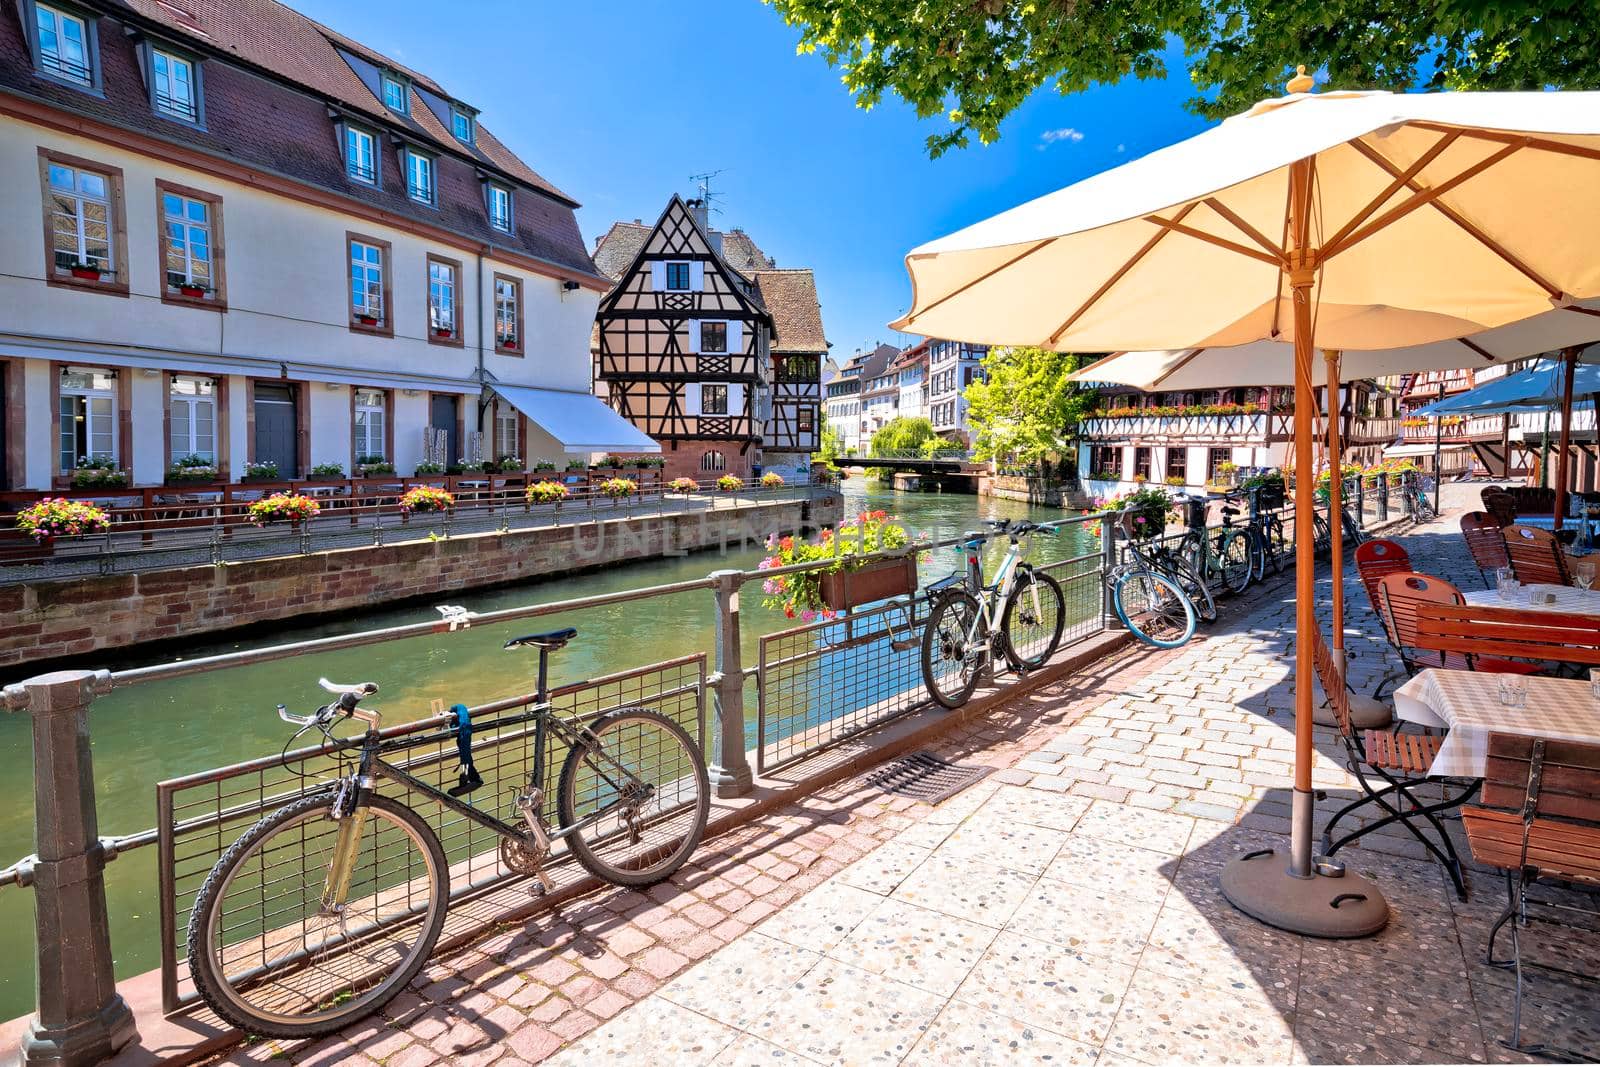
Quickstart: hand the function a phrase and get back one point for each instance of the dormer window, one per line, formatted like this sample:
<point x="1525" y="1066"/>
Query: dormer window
<point x="65" y="45"/>
<point x="360" y="155"/>
<point x="499" y="207"/>
<point x="420" y="185"/>
<point x="174" y="86"/>
<point x="396" y="95"/>
<point x="461" y="125"/>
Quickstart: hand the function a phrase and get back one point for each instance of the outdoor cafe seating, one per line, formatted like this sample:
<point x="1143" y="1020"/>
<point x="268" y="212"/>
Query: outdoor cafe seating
<point x="1487" y="544"/>
<point x="1536" y="556"/>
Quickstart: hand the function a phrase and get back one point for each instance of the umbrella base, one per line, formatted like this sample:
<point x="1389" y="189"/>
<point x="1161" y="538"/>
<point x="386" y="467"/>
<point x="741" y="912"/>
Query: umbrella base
<point x="1260" y="885"/>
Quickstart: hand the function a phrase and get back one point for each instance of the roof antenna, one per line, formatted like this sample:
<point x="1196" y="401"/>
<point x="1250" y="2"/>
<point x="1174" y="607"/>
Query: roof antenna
<point x="703" y="182"/>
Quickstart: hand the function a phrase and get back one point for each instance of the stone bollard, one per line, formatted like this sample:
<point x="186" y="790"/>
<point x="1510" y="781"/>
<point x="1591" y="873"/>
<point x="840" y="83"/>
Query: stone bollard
<point x="81" y="1017"/>
<point x="730" y="769"/>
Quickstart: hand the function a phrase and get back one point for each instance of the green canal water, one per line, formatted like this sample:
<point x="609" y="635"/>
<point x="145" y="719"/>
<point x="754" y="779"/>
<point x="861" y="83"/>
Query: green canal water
<point x="148" y="733"/>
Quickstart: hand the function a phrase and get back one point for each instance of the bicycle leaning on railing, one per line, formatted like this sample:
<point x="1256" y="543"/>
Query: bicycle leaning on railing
<point x="1151" y="603"/>
<point x="323" y="911"/>
<point x="1221" y="557"/>
<point x="961" y="637"/>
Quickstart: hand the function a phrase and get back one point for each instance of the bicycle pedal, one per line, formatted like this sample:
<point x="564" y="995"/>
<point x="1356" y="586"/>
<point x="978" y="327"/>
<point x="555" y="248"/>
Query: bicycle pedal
<point x="466" y="782"/>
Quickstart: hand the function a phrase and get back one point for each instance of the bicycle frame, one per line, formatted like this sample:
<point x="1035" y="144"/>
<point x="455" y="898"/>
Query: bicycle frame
<point x="990" y="597"/>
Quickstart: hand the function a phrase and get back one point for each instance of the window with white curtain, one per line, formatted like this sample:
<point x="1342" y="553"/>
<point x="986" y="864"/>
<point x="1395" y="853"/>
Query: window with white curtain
<point x="369" y="424"/>
<point x="88" y="416"/>
<point x="192" y="406"/>
<point x="505" y="431"/>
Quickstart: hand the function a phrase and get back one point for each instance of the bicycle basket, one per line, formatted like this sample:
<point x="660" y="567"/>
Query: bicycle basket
<point x="1194" y="512"/>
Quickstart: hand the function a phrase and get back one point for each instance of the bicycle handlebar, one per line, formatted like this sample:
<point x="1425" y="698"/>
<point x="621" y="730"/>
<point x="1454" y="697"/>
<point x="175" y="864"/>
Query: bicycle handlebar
<point x="349" y="697"/>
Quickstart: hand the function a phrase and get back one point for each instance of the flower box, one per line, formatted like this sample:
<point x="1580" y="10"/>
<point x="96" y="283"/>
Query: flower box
<point x="367" y="320"/>
<point x="879" y="580"/>
<point x="193" y="292"/>
<point x="439" y="331"/>
<point x="88" y="274"/>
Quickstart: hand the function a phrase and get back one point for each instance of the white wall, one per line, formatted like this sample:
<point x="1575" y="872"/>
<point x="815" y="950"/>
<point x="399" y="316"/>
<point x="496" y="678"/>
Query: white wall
<point x="331" y="437"/>
<point x="41" y="448"/>
<point x="410" y="418"/>
<point x="149" y="404"/>
<point x="238" y="419"/>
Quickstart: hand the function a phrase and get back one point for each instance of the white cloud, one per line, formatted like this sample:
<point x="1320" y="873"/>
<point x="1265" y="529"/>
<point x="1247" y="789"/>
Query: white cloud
<point x="1065" y="133"/>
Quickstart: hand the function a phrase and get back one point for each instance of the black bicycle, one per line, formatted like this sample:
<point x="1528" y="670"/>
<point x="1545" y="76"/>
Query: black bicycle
<point x="326" y="908"/>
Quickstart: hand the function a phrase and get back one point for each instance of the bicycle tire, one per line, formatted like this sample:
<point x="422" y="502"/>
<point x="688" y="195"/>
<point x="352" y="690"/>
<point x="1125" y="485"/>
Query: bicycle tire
<point x="952" y="619"/>
<point x="1258" y="553"/>
<point x="1152" y="599"/>
<point x="1048" y="593"/>
<point x="1274" y="544"/>
<point x="1194" y="586"/>
<point x="1321" y="536"/>
<point x="1234" y="559"/>
<point x="204" y="921"/>
<point x="680" y="839"/>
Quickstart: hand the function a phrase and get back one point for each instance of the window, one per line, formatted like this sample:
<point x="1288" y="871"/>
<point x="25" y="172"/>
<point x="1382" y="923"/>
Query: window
<point x="186" y="229"/>
<point x="396" y="97"/>
<point x="173" y="87"/>
<point x="461" y="125"/>
<point x="713" y="400"/>
<point x="419" y="177"/>
<point x="1177" y="463"/>
<point x="88" y="417"/>
<point x="505" y="431"/>
<point x="1214" y="461"/>
<point x="82" y="224"/>
<point x="714" y="337"/>
<point x="368" y="285"/>
<point x="678" y="277"/>
<point x="192" y="410"/>
<point x="64" y="46"/>
<point x="805" y="419"/>
<point x="1106" y="462"/>
<point x="500" y="208"/>
<point x="368" y="424"/>
<point x="360" y="155"/>
<point x="713" y="461"/>
<point x="507" y="315"/>
<point x="442" y="299"/>
<point x="1141" y="462"/>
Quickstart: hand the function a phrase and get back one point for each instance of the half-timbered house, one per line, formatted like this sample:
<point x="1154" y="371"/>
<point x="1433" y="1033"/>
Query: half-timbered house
<point x="705" y="345"/>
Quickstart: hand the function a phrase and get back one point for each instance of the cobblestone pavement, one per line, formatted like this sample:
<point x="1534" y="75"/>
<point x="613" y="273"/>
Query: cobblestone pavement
<point x="1063" y="910"/>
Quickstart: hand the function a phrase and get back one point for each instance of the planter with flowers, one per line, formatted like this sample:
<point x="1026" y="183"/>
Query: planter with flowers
<point x="284" y="507"/>
<point x="772" y="480"/>
<point x="98" y="474"/>
<point x="845" y="580"/>
<point x="373" y="466"/>
<point x="191" y="470"/>
<point x="683" y="486"/>
<point x="425" y="498"/>
<point x="261" y="472"/>
<point x="55" y="517"/>
<point x="508" y="464"/>
<point x="194" y="290"/>
<point x="730" y="483"/>
<point x="428" y="468"/>
<point x="618" y="488"/>
<point x="546" y="492"/>
<point x="326" y="472"/>
<point x="1144" y="512"/>
<point x="542" y="466"/>
<point x="85" y="271"/>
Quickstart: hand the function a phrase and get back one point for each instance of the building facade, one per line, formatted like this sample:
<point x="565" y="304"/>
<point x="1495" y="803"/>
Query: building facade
<point x="847" y="412"/>
<point x="952" y="366"/>
<point x="706" y="346"/>
<point x="911" y="369"/>
<point x="1454" y="445"/>
<point x="239" y="236"/>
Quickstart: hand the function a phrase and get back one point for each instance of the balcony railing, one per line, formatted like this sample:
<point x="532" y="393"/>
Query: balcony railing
<point x="1227" y="429"/>
<point x="1457" y="428"/>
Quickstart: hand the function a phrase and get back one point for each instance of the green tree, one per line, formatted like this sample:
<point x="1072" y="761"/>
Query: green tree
<point x="975" y="61"/>
<point x="1023" y="408"/>
<point x="901" y="437"/>
<point x="831" y="446"/>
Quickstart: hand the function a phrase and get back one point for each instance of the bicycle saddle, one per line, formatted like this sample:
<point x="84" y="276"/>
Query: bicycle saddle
<point x="551" y="641"/>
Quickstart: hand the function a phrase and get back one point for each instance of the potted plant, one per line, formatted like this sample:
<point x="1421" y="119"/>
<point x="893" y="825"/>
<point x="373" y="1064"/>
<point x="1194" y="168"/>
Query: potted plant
<point x="370" y="466"/>
<point x="191" y="469"/>
<point x="543" y="465"/>
<point x="1144" y="512"/>
<point x="424" y="498"/>
<point x="428" y="467"/>
<point x="194" y="290"/>
<point x="266" y="471"/>
<point x="508" y="464"/>
<point x="55" y="517"/>
<point x="466" y="468"/>
<point x="843" y="580"/>
<point x="613" y="462"/>
<point x="546" y="492"/>
<point x="684" y="486"/>
<point x="652" y="463"/>
<point x="86" y="271"/>
<point x="772" y="480"/>
<point x="323" y="472"/>
<point x="98" y="473"/>
<point x="577" y="465"/>
<point x="443" y="332"/>
<point x="617" y="488"/>
<point x="730" y="483"/>
<point x="284" y="507"/>
<point x="365" y="319"/>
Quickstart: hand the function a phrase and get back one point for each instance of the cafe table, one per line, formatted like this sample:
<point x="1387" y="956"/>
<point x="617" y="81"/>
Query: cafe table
<point x="1567" y="599"/>
<point x="1468" y="704"/>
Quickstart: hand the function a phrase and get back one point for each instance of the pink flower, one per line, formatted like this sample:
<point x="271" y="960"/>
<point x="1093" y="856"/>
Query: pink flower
<point x="808" y="615"/>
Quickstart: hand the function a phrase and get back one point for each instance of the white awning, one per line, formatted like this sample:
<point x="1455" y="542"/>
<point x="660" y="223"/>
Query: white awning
<point x="580" y="421"/>
<point x="1424" y="448"/>
<point x="305" y="372"/>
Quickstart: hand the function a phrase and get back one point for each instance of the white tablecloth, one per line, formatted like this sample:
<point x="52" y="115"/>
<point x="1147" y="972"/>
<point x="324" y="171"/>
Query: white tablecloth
<point x="1569" y="599"/>
<point x="1469" y="704"/>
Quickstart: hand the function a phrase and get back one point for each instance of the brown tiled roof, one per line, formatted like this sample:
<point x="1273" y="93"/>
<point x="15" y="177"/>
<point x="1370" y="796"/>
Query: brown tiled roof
<point x="743" y="254"/>
<point x="618" y="247"/>
<point x="917" y="353"/>
<point x="791" y="297"/>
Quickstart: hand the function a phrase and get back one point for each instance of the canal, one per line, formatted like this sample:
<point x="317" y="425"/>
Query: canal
<point x="153" y="732"/>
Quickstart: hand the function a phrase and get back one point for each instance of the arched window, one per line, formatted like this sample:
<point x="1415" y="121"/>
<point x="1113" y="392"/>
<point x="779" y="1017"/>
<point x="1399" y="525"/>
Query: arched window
<point x="713" y="461"/>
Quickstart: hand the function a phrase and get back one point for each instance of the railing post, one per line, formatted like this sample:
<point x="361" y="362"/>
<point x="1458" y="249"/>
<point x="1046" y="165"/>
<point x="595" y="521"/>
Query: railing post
<point x="1383" y="496"/>
<point x="730" y="769"/>
<point x="81" y="1018"/>
<point x="1361" y="502"/>
<point x="1108" y="560"/>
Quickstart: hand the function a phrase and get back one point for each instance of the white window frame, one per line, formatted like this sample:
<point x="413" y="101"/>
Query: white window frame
<point x="185" y="242"/>
<point x="456" y="114"/>
<point x="386" y="82"/>
<point x="79" y="200"/>
<point x="505" y="431"/>
<point x="714" y="460"/>
<point x="88" y="394"/>
<point x="370" y="279"/>
<point x="442" y="303"/>
<point x="191" y="394"/>
<point x="506" y="299"/>
<point x="186" y="111"/>
<point x="502" y="221"/>
<point x="367" y="424"/>
<point x="54" y="63"/>
<point x="417" y="163"/>
<point x="357" y="137"/>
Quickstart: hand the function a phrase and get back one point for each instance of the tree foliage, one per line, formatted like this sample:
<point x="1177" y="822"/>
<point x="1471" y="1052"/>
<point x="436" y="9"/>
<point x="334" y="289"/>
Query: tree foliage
<point x="975" y="61"/>
<point x="831" y="446"/>
<point x="901" y="436"/>
<point x="1023" y="408"/>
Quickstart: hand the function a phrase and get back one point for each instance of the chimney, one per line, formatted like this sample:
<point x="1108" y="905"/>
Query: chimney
<point x="702" y="214"/>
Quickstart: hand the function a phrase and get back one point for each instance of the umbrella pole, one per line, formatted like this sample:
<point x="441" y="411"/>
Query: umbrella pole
<point x="1335" y="507"/>
<point x="1564" y="456"/>
<point x="1319" y="899"/>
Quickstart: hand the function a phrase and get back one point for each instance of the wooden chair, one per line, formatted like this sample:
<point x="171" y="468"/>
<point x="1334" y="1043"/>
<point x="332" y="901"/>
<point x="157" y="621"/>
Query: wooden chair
<point x="1501" y="505"/>
<point x="1405" y="595"/>
<point x="1487" y="544"/>
<point x="1539" y="823"/>
<point x="1374" y="560"/>
<point x="1484" y="635"/>
<point x="1536" y="556"/>
<point x="1399" y="764"/>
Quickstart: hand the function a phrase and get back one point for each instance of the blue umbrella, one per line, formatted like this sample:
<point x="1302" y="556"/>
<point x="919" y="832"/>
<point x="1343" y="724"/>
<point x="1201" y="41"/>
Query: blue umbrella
<point x="1535" y="388"/>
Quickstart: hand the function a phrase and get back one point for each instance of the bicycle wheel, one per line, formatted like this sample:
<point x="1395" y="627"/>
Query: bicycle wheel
<point x="271" y="959"/>
<point x="952" y="648"/>
<point x="1153" y="608"/>
<point x="1274" y="544"/>
<point x="1031" y="621"/>
<point x="1321" y="536"/>
<point x="644" y="778"/>
<point x="1256" y="539"/>
<point x="1235" y="559"/>
<point x="1193" y="586"/>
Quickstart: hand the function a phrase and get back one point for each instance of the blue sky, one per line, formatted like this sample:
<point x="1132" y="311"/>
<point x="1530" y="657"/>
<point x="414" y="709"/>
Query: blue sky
<point x="619" y="102"/>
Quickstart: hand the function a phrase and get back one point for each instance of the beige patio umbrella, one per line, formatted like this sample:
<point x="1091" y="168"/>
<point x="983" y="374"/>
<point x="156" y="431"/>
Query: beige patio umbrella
<point x="1353" y="221"/>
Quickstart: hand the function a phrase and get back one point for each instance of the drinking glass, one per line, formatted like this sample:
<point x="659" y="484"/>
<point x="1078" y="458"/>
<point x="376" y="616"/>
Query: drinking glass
<point x="1503" y="579"/>
<point x="1583" y="573"/>
<point x="1513" y="690"/>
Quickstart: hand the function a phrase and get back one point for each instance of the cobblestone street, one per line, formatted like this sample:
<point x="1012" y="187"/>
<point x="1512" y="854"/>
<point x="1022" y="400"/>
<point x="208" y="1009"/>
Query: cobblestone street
<point x="1063" y="909"/>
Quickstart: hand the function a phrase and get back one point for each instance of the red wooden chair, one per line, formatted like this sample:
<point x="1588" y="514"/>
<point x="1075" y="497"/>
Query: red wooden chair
<point x="1374" y="560"/>
<point x="1486" y="543"/>
<point x="1502" y="505"/>
<point x="1536" y="556"/>
<point x="1401" y="595"/>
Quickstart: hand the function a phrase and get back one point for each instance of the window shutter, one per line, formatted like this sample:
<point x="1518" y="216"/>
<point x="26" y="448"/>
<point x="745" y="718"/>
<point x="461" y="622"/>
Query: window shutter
<point x="735" y="337"/>
<point x="735" y="399"/>
<point x="691" y="398"/>
<point x="694" y="336"/>
<point x="697" y="276"/>
<point x="658" y="276"/>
